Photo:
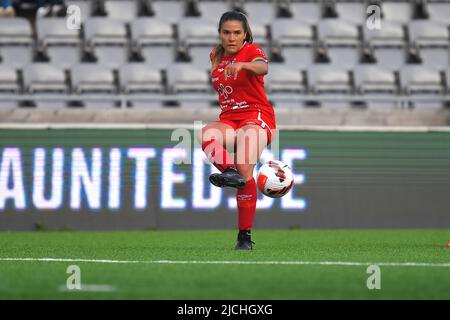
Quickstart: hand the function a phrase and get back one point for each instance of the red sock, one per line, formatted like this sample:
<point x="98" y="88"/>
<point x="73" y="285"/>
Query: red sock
<point x="217" y="154"/>
<point x="246" y="202"/>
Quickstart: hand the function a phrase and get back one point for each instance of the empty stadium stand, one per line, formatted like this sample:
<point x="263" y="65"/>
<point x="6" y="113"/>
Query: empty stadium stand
<point x="149" y="52"/>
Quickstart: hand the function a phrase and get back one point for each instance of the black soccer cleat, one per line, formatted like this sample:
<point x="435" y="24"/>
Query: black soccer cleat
<point x="244" y="240"/>
<point x="229" y="178"/>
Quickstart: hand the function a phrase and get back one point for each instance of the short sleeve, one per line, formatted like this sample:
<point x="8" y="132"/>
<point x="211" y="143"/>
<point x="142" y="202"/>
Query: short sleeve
<point x="255" y="53"/>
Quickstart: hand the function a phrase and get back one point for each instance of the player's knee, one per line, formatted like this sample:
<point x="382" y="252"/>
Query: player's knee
<point x="203" y="137"/>
<point x="207" y="135"/>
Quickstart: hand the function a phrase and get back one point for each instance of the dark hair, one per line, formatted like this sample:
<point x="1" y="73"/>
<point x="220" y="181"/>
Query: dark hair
<point x="235" y="16"/>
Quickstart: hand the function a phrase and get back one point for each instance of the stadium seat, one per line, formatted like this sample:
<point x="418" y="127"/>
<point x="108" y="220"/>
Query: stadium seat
<point x="399" y="11"/>
<point x="124" y="10"/>
<point x="9" y="84"/>
<point x="439" y="12"/>
<point x="422" y="80"/>
<point x="59" y="43"/>
<point x="354" y="12"/>
<point x="338" y="32"/>
<point x="213" y="10"/>
<point x="198" y="31"/>
<point x="261" y="12"/>
<point x="8" y="79"/>
<point x="282" y="78"/>
<point x="154" y="40"/>
<point x="88" y="78"/>
<point x="187" y="78"/>
<point x="136" y="78"/>
<point x="198" y="36"/>
<point x="283" y="81"/>
<point x="169" y="10"/>
<point x="329" y="79"/>
<point x="388" y="44"/>
<point x="341" y="40"/>
<point x="108" y="41"/>
<point x="432" y="39"/>
<point x="184" y="77"/>
<point x="45" y="79"/>
<point x="376" y="80"/>
<point x="16" y="42"/>
<point x="287" y="32"/>
<point x="309" y="12"/>
<point x="84" y="5"/>
<point x="295" y="39"/>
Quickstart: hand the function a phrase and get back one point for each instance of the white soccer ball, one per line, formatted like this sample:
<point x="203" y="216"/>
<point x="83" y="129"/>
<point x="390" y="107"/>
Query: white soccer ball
<point x="275" y="179"/>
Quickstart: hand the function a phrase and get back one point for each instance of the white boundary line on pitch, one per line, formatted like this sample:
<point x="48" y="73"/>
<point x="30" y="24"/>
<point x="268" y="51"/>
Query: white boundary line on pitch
<point x="317" y="263"/>
<point x="89" y="288"/>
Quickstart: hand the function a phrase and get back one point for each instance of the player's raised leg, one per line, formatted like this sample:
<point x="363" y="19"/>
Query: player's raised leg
<point x="215" y="138"/>
<point x="250" y="142"/>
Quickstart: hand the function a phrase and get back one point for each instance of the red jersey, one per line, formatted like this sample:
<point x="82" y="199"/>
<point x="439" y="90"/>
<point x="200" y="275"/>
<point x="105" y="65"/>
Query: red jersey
<point x="243" y="98"/>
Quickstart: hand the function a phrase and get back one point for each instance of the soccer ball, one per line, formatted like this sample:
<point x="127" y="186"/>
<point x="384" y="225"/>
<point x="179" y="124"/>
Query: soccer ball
<point x="275" y="179"/>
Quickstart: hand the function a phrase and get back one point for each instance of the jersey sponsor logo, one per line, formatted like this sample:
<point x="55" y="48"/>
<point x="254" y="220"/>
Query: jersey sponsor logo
<point x="244" y="197"/>
<point x="239" y="107"/>
<point x="225" y="91"/>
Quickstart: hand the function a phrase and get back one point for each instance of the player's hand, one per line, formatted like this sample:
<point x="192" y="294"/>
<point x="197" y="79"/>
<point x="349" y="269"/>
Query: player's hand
<point x="231" y="70"/>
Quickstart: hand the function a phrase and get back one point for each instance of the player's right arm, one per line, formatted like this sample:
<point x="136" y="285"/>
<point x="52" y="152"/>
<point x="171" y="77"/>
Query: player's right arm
<point x="259" y="68"/>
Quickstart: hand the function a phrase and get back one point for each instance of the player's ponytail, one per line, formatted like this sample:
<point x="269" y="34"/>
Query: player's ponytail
<point x="236" y="16"/>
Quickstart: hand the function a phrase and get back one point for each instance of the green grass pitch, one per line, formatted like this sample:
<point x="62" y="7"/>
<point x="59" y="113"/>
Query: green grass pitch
<point x="135" y="272"/>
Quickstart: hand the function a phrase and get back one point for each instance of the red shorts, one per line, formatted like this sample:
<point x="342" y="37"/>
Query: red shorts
<point x="266" y="124"/>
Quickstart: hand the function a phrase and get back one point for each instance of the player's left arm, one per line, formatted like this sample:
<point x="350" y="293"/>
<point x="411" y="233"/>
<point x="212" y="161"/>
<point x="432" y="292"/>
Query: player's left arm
<point x="258" y="66"/>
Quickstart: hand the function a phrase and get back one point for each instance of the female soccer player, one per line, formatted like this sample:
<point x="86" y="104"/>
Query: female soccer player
<point x="247" y="121"/>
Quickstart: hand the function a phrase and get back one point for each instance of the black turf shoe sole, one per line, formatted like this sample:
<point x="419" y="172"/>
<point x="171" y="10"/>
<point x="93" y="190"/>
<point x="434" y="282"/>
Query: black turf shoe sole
<point x="225" y="180"/>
